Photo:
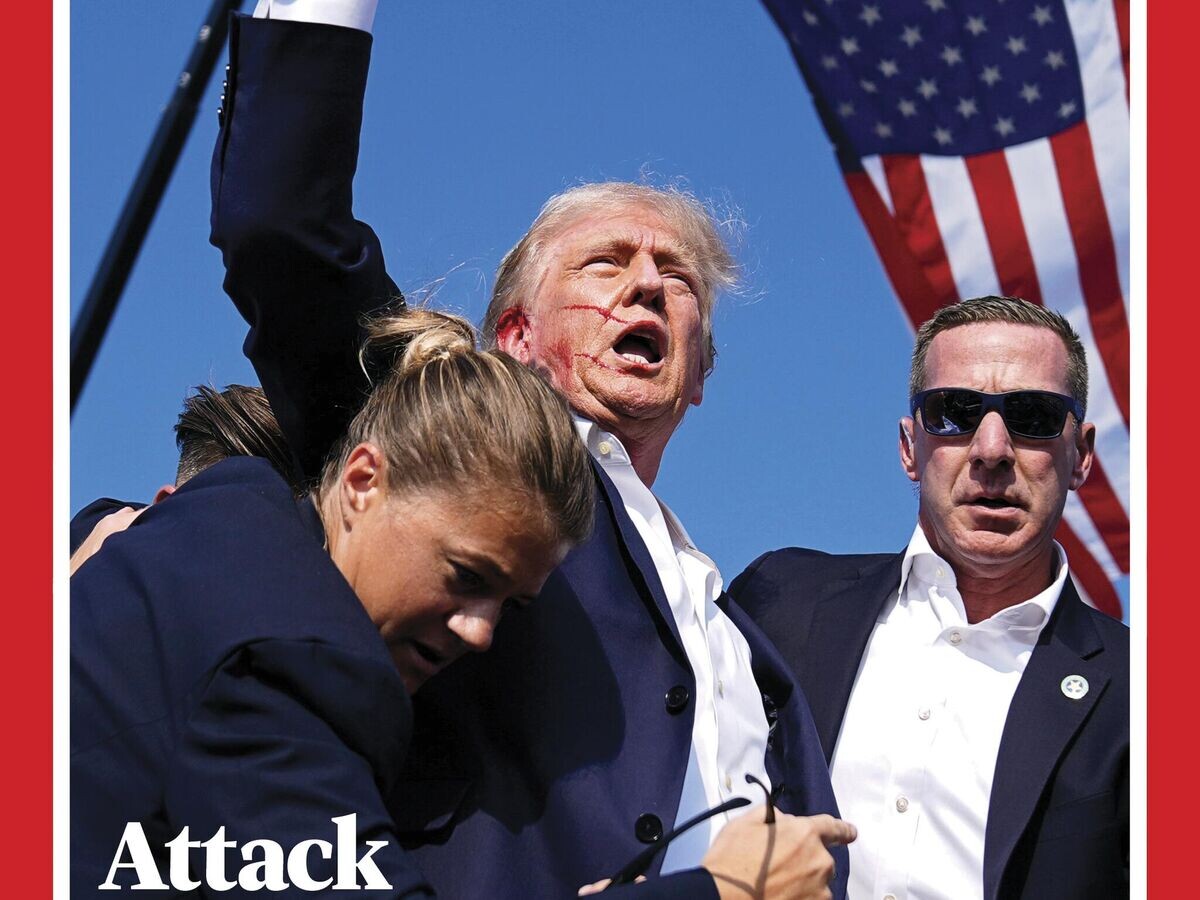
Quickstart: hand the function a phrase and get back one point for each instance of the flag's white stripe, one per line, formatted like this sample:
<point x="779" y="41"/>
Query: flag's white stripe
<point x="1098" y="44"/>
<point x="1035" y="179"/>
<point x="874" y="168"/>
<point x="1081" y="523"/>
<point x="961" y="225"/>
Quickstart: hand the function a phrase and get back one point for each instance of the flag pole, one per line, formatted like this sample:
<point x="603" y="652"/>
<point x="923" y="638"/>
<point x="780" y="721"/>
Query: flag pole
<point x="159" y="162"/>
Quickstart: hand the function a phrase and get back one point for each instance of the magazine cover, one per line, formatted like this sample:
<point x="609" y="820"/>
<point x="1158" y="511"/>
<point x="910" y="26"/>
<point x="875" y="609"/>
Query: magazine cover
<point x="691" y="450"/>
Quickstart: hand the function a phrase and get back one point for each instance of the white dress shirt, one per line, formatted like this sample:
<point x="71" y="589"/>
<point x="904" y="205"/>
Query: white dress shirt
<point x="914" y="762"/>
<point x="358" y="14"/>
<point x="729" y="731"/>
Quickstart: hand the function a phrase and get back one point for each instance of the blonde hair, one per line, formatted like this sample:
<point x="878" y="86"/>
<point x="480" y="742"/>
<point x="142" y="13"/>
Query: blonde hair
<point x="448" y="416"/>
<point x="716" y="268"/>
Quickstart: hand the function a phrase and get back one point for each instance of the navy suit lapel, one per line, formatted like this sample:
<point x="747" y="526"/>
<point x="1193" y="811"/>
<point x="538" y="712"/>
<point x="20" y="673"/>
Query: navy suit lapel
<point x="841" y="626"/>
<point x="1041" y="722"/>
<point x="633" y="544"/>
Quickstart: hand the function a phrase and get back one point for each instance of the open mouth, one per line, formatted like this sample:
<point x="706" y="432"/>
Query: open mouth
<point x="643" y="346"/>
<point x="993" y="503"/>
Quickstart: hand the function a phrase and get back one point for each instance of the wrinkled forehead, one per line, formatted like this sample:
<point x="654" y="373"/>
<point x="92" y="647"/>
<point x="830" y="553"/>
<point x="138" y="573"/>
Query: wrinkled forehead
<point x="630" y="227"/>
<point x="997" y="357"/>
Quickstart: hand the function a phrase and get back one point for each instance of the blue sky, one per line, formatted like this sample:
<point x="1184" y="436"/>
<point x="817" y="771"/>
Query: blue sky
<point x="475" y="114"/>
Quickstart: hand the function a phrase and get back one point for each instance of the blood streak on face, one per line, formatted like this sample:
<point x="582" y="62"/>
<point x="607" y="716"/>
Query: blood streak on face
<point x="604" y="313"/>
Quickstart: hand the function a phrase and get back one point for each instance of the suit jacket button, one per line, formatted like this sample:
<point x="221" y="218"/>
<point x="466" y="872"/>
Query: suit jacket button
<point x="220" y="116"/>
<point x="648" y="828"/>
<point x="676" y="699"/>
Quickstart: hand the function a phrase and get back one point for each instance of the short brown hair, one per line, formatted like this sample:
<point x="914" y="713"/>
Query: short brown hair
<point x="1002" y="309"/>
<point x="447" y="415"/>
<point x="237" y="421"/>
<point x="717" y="269"/>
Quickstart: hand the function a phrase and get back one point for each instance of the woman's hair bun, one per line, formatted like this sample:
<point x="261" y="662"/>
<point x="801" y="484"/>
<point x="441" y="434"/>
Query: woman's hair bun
<point x="407" y="341"/>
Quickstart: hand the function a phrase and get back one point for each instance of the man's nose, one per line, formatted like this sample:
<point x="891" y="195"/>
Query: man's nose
<point x="475" y="624"/>
<point x="991" y="445"/>
<point x="646" y="287"/>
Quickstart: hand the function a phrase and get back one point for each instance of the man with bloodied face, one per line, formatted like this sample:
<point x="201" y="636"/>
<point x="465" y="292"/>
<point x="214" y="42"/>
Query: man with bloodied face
<point x="632" y="695"/>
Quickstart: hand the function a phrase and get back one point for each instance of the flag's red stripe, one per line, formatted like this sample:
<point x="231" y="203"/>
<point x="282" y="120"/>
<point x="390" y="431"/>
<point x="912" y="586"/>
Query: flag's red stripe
<point x="916" y="294"/>
<point x="1107" y="514"/>
<point x="1005" y="229"/>
<point x="1096" y="252"/>
<point x="1002" y="222"/>
<point x="1087" y="572"/>
<point x="917" y="222"/>
<point x="1121" y="8"/>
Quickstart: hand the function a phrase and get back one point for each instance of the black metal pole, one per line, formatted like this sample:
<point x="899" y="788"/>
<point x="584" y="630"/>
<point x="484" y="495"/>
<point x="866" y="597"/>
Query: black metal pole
<point x="142" y="202"/>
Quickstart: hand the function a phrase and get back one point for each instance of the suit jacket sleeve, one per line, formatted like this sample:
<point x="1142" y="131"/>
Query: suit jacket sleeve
<point x="286" y="736"/>
<point x="300" y="268"/>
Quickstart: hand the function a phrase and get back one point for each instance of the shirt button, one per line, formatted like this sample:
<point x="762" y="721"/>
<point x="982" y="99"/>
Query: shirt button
<point x="728" y="782"/>
<point x="605" y="448"/>
<point x="901" y="804"/>
<point x="923" y="714"/>
<point x="720" y="687"/>
<point x="889" y="897"/>
<point x="941" y="573"/>
<point x="956" y="637"/>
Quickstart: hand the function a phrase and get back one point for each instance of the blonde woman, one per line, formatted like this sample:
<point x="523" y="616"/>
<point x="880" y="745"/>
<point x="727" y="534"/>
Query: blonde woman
<point x="241" y="662"/>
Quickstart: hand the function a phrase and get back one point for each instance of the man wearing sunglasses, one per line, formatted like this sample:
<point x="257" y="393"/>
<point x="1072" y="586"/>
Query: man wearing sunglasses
<point x="974" y="711"/>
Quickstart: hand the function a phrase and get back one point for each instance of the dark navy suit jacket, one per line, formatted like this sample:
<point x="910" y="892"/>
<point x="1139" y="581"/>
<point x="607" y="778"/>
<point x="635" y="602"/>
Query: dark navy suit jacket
<point x="551" y="760"/>
<point x="223" y="673"/>
<point x="1058" y="819"/>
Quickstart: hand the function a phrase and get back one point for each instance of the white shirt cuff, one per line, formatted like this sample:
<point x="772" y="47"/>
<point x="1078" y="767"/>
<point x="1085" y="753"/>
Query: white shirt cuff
<point x="358" y="14"/>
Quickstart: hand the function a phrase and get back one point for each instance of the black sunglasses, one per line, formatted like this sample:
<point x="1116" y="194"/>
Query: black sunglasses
<point x="949" y="412"/>
<point x="641" y="863"/>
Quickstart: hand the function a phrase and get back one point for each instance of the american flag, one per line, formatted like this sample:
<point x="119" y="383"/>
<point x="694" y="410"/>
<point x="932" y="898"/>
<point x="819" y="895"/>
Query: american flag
<point x="986" y="146"/>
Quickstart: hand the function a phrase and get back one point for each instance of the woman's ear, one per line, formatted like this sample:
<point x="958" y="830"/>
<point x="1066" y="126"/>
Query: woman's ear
<point x="363" y="481"/>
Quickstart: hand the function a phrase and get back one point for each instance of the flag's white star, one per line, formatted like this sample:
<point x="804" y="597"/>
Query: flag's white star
<point x="1004" y="126"/>
<point x="868" y="85"/>
<point x="975" y="25"/>
<point x="935" y="5"/>
<point x="829" y="62"/>
<point x="1066" y="110"/>
<point x="911" y="36"/>
<point x="943" y="136"/>
<point x="951" y="55"/>
<point x="1030" y="92"/>
<point x="810" y="17"/>
<point x="1055" y="59"/>
<point x="888" y="67"/>
<point x="907" y="108"/>
<point x="845" y="110"/>
<point x="927" y="88"/>
<point x="1041" y="15"/>
<point x="849" y="46"/>
<point x="1016" y="45"/>
<point x="883" y="130"/>
<point x="870" y="14"/>
<point x="990" y="75"/>
<point x="966" y="107"/>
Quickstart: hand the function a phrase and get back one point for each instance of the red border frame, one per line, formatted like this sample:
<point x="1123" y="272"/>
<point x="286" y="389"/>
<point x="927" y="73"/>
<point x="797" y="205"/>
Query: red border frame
<point x="1171" y="789"/>
<point x="26" y="673"/>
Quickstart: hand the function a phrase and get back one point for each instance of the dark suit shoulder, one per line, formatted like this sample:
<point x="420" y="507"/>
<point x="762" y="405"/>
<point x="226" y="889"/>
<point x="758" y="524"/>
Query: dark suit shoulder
<point x="87" y="518"/>
<point x="793" y="568"/>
